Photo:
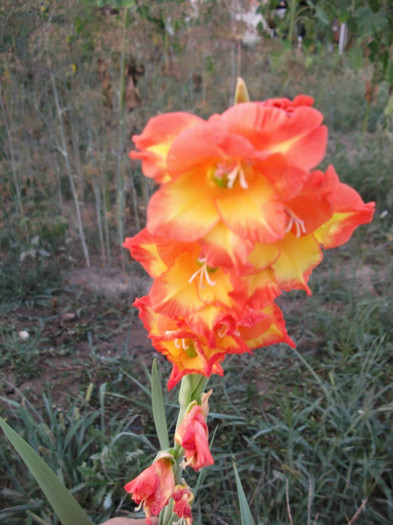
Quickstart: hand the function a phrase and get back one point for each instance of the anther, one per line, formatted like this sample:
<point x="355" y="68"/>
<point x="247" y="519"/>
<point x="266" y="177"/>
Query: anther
<point x="294" y="220"/>
<point x="203" y="274"/>
<point x="232" y="176"/>
<point x="221" y="332"/>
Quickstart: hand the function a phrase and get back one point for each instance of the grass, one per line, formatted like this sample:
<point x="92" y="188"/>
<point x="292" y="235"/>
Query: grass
<point x="82" y="444"/>
<point x="309" y="429"/>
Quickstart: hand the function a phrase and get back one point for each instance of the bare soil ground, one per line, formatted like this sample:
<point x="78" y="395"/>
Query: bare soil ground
<point x="63" y="345"/>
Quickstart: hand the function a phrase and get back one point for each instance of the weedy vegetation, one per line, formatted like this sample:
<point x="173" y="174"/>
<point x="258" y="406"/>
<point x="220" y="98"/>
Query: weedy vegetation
<point x="314" y="425"/>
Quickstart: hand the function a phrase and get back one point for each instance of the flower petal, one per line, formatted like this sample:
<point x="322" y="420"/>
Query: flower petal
<point x="269" y="330"/>
<point x="182" y="496"/>
<point x="192" y="435"/>
<point x="311" y="206"/>
<point x="263" y="255"/>
<point x="153" y="487"/>
<point x="297" y="133"/>
<point x="188" y="285"/>
<point x="287" y="104"/>
<point x="157" y="138"/>
<point x="143" y="249"/>
<point x="201" y="364"/>
<point x="206" y="145"/>
<point x="349" y="211"/>
<point x="298" y="257"/>
<point x="255" y="214"/>
<point x="223" y="248"/>
<point x="262" y="289"/>
<point x="183" y="209"/>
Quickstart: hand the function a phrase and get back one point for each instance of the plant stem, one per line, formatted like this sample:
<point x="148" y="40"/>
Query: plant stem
<point x="191" y="388"/>
<point x="98" y="213"/>
<point x="292" y="20"/>
<point x="166" y="515"/>
<point x="12" y="155"/>
<point x="135" y="203"/>
<point x="64" y="151"/>
<point x="120" y="194"/>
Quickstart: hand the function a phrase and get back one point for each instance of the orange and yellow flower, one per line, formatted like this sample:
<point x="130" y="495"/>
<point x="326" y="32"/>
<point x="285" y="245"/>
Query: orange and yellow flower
<point x="236" y="169"/>
<point x="153" y="487"/>
<point x="240" y="216"/>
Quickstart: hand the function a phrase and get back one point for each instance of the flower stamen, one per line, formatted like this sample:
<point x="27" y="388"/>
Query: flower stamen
<point x="176" y="340"/>
<point x="294" y="220"/>
<point x="237" y="171"/>
<point x="203" y="274"/>
<point x="221" y="332"/>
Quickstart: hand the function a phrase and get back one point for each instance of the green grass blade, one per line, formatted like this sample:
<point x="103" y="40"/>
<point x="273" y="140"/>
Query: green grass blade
<point x="245" y="513"/>
<point x="158" y="408"/>
<point x="66" y="507"/>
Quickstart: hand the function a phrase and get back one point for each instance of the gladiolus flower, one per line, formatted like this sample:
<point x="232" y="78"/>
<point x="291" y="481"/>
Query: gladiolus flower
<point x="235" y="169"/>
<point x="153" y="487"/>
<point x="183" y="497"/>
<point x="189" y="285"/>
<point x="241" y="215"/>
<point x="192" y="434"/>
<point x="226" y="191"/>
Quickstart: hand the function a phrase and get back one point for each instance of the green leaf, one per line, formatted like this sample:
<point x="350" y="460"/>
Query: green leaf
<point x="158" y="408"/>
<point x="370" y="23"/>
<point x="321" y="16"/>
<point x="389" y="106"/>
<point x="245" y="513"/>
<point x="355" y="55"/>
<point x="64" y="504"/>
<point x="389" y="72"/>
<point x="343" y="16"/>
